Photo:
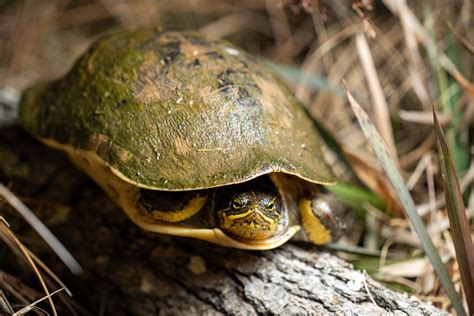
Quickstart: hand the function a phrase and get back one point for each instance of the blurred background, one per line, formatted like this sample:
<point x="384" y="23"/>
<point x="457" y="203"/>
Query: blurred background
<point x="397" y="57"/>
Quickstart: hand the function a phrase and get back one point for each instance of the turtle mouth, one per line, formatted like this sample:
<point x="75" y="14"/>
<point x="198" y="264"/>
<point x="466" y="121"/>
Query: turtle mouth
<point x="251" y="224"/>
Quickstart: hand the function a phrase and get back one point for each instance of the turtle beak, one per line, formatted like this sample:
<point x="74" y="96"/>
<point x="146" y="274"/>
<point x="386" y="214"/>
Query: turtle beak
<point x="251" y="224"/>
<point x="256" y="216"/>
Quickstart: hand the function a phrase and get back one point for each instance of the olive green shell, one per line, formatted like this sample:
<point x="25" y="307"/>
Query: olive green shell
<point x="173" y="110"/>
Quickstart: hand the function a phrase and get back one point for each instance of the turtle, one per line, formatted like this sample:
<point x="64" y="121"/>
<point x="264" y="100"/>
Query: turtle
<point x="191" y="136"/>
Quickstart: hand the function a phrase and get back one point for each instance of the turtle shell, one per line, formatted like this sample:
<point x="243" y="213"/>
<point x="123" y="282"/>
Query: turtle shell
<point x="175" y="110"/>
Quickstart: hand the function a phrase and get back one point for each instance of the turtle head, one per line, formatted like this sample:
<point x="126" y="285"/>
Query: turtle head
<point x="253" y="215"/>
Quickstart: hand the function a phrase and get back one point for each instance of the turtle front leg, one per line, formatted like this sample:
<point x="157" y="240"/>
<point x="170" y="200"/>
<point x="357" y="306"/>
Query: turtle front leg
<point x="319" y="218"/>
<point x="171" y="207"/>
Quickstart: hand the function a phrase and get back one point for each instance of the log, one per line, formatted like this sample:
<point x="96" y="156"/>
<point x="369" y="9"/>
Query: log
<point x="133" y="272"/>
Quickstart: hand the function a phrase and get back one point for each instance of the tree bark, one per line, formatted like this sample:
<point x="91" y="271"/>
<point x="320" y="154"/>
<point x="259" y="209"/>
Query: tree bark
<point x="133" y="272"/>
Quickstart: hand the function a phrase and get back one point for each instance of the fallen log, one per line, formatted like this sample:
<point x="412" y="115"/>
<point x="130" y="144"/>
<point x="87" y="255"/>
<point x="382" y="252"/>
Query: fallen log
<point x="130" y="271"/>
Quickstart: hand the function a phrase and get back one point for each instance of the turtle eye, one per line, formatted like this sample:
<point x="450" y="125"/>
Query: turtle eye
<point x="271" y="206"/>
<point x="236" y="204"/>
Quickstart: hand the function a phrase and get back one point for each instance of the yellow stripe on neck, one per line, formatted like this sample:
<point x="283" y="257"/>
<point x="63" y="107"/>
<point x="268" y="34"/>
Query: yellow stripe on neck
<point x="193" y="207"/>
<point x="317" y="233"/>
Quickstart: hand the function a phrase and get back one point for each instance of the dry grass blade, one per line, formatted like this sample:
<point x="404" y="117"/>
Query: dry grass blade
<point x="388" y="164"/>
<point x="423" y="117"/>
<point x="409" y="269"/>
<point x="28" y="308"/>
<point x="374" y="179"/>
<point x="467" y="86"/>
<point x="4" y="304"/>
<point x="233" y="22"/>
<point x="48" y="271"/>
<point x="34" y="257"/>
<point x="380" y="108"/>
<point x="353" y="249"/>
<point x="16" y="245"/>
<point x="280" y="26"/>
<point x="414" y="56"/>
<point x="457" y="216"/>
<point x="22" y="251"/>
<point x="428" y="42"/>
<point x="41" y="229"/>
<point x="17" y="289"/>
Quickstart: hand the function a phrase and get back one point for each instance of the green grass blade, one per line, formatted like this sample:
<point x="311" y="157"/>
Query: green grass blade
<point x="449" y="92"/>
<point x="457" y="216"/>
<point x="313" y="81"/>
<point x="355" y="196"/>
<point x="388" y="164"/>
<point x="457" y="137"/>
